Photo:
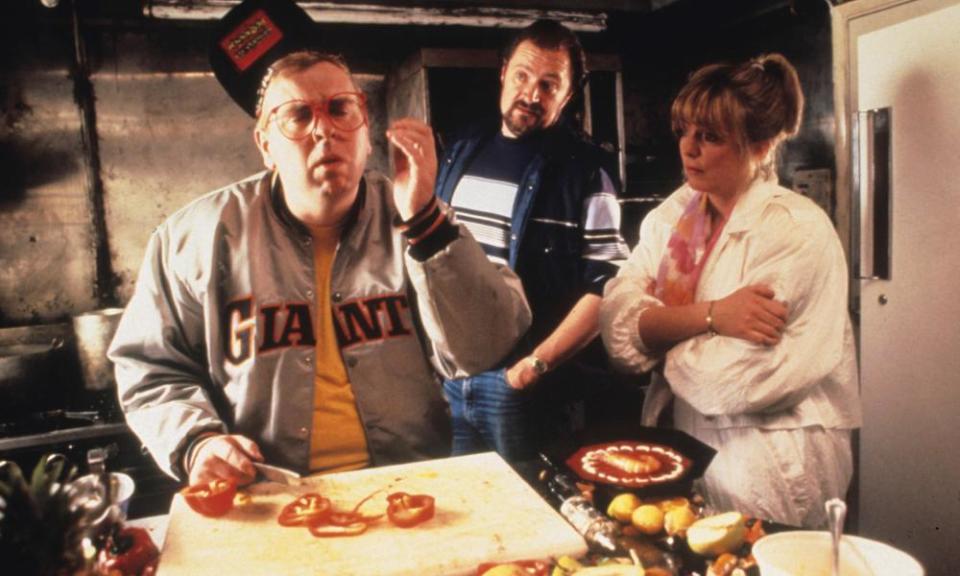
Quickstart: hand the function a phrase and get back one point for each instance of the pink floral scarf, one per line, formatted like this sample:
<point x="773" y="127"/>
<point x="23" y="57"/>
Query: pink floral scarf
<point x="690" y="244"/>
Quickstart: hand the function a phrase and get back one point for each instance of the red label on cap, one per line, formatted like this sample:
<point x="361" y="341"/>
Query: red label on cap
<point x="251" y="39"/>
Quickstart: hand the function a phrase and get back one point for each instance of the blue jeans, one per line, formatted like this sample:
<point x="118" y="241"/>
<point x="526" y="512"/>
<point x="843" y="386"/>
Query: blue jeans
<point x="489" y="414"/>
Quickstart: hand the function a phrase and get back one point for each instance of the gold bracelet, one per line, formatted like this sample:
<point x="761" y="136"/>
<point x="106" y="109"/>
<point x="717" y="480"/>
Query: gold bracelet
<point x="710" y="329"/>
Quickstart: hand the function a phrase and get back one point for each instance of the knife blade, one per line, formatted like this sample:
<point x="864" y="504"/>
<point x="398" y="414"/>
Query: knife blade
<point x="277" y="474"/>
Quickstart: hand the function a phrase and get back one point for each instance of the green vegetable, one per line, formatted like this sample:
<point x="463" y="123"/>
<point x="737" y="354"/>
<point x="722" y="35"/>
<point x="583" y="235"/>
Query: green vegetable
<point x="39" y="533"/>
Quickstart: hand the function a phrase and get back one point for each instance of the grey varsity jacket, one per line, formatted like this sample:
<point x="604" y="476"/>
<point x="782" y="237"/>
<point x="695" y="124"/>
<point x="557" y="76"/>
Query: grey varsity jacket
<point x="218" y="334"/>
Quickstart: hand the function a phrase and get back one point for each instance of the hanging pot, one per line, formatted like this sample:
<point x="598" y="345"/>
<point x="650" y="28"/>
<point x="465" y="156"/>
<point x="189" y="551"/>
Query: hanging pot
<point x="93" y="332"/>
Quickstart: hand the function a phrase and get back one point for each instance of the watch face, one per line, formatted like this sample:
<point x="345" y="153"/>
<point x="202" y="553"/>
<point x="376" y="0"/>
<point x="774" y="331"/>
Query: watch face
<point x="539" y="366"/>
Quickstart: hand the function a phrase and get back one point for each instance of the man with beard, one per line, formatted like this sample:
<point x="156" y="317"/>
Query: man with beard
<point x="306" y="315"/>
<point x="536" y="195"/>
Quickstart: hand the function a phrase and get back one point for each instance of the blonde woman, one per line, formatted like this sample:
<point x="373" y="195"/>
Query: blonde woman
<point x="737" y="295"/>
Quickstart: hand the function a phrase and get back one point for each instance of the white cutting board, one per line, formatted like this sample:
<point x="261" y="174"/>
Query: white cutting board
<point x="484" y="513"/>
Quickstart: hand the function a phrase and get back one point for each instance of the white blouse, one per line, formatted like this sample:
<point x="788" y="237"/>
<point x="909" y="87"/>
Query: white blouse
<point x="775" y="237"/>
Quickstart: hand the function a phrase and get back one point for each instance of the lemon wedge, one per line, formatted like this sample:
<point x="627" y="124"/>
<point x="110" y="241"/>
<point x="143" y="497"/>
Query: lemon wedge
<point x="714" y="535"/>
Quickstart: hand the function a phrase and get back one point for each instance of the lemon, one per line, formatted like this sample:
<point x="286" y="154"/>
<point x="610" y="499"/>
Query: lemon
<point x="622" y="506"/>
<point x="566" y="565"/>
<point x="671" y="503"/>
<point x="647" y="519"/>
<point x="677" y="520"/>
<point x="715" y="535"/>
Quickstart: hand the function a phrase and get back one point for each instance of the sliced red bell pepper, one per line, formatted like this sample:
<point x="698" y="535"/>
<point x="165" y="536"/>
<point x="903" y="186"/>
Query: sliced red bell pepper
<point x="130" y="552"/>
<point x="213" y="499"/>
<point x="755" y="531"/>
<point x="310" y="508"/>
<point x="406" y="510"/>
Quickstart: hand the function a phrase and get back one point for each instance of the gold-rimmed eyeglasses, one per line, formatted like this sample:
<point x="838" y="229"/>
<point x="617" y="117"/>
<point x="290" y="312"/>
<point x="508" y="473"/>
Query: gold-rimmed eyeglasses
<point x="297" y="119"/>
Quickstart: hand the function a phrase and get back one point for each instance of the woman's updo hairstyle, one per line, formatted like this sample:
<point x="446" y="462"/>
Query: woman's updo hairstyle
<point x="752" y="102"/>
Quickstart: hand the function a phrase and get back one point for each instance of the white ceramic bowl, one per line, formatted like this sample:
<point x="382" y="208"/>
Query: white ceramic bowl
<point x="806" y="553"/>
<point x="121" y="489"/>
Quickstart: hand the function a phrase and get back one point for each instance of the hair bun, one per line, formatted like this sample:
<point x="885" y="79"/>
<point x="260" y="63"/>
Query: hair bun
<point x="783" y="84"/>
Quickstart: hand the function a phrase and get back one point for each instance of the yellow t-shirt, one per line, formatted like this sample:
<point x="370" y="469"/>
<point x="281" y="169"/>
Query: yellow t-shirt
<point x="338" y="441"/>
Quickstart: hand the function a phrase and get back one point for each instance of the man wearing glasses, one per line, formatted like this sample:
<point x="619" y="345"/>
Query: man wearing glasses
<point x="304" y="316"/>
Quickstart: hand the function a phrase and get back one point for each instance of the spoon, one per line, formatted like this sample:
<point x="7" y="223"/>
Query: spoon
<point x="836" y="514"/>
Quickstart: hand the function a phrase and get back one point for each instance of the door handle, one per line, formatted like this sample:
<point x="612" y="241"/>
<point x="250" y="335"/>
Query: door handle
<point x="872" y="135"/>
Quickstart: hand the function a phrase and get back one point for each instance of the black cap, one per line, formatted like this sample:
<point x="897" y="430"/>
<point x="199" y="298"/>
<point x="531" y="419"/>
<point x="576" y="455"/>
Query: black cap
<point x="252" y="36"/>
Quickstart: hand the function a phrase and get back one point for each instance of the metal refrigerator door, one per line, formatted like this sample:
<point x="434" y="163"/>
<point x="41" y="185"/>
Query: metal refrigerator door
<point x="905" y="56"/>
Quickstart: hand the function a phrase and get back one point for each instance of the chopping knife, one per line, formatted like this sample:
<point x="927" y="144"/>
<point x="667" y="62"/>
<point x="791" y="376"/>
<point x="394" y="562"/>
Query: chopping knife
<point x="277" y="474"/>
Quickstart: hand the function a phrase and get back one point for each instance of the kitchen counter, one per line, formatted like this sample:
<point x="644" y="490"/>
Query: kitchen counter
<point x="156" y="525"/>
<point x="485" y="512"/>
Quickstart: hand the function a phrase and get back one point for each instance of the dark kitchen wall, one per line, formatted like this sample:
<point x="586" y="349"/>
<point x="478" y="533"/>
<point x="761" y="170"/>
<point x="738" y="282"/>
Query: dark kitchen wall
<point x="661" y="49"/>
<point x="47" y="244"/>
<point x="76" y="212"/>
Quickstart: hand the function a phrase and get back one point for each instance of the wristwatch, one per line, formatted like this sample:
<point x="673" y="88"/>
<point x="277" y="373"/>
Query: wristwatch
<point x="538" y="365"/>
<point x="711" y="331"/>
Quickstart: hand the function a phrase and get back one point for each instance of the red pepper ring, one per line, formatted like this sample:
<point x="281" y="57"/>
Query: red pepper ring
<point x="406" y="510"/>
<point x="310" y="508"/>
<point x="212" y="499"/>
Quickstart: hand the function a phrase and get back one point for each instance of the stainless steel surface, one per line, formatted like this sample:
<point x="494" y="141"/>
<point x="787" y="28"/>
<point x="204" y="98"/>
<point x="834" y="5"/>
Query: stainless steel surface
<point x="88" y="415"/>
<point x="872" y="204"/>
<point x="860" y="224"/>
<point x="37" y="334"/>
<point x="621" y="132"/>
<point x="45" y="231"/>
<point x="93" y="332"/>
<point x="51" y="439"/>
<point x="277" y="474"/>
<point x="166" y="138"/>
<point x="836" y="514"/>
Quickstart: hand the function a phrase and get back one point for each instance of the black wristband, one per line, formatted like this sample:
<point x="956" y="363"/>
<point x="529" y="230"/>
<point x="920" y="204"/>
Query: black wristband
<point x="438" y="239"/>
